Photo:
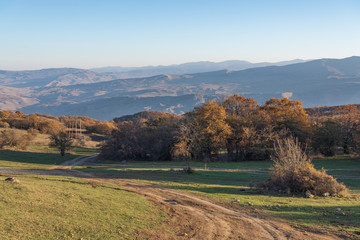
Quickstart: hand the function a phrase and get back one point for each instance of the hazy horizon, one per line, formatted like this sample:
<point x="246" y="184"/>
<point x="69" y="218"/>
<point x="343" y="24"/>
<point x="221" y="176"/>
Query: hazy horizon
<point x="160" y="65"/>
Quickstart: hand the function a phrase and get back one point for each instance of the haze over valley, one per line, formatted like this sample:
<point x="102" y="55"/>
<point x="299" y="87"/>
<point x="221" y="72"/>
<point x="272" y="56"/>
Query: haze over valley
<point x="105" y="95"/>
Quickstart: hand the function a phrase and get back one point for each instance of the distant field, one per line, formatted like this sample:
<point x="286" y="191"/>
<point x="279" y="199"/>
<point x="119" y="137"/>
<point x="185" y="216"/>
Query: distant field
<point x="56" y="207"/>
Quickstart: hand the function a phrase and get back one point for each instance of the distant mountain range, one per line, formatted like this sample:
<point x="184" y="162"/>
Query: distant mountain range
<point x="103" y="96"/>
<point x="186" y="68"/>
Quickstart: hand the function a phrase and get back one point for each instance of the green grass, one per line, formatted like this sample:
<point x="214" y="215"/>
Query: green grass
<point x="227" y="182"/>
<point x="40" y="157"/>
<point x="230" y="182"/>
<point x="339" y="165"/>
<point x="49" y="207"/>
<point x="73" y="150"/>
<point x="30" y="160"/>
<point x="258" y="165"/>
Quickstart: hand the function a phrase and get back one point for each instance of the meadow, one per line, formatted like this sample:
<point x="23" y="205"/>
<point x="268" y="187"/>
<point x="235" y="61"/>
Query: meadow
<point x="75" y="208"/>
<point x="235" y="182"/>
<point x="63" y="207"/>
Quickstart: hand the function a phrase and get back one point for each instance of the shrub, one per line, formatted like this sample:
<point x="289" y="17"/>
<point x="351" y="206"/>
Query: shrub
<point x="188" y="170"/>
<point x="14" y="139"/>
<point x="4" y="124"/>
<point x="293" y="172"/>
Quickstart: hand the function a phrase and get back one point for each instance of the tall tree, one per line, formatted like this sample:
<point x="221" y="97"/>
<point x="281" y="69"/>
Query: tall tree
<point x="348" y="116"/>
<point x="288" y="114"/>
<point x="213" y="128"/>
<point x="327" y="137"/>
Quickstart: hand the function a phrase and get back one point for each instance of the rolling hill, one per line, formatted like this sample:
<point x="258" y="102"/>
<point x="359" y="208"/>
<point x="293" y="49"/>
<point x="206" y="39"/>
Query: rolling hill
<point x="101" y="96"/>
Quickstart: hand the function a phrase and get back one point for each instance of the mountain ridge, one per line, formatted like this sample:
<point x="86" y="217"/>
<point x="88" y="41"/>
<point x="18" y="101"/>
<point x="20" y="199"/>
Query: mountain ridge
<point x="316" y="83"/>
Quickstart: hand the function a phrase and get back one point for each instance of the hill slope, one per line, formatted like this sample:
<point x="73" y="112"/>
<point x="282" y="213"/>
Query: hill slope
<point x="315" y="83"/>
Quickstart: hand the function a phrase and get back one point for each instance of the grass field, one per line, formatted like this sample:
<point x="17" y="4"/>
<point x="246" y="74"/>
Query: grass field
<point x="230" y="182"/>
<point x="227" y="182"/>
<point x="39" y="159"/>
<point x="49" y="207"/>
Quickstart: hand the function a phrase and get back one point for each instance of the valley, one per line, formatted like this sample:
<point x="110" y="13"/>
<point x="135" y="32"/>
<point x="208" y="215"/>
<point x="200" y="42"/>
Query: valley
<point x="82" y="92"/>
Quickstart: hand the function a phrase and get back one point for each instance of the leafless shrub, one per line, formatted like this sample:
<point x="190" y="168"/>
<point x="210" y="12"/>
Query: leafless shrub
<point x="288" y="156"/>
<point x="293" y="172"/>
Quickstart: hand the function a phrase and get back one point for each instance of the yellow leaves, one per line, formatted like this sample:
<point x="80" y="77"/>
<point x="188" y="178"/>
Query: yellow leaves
<point x="213" y="127"/>
<point x="285" y="109"/>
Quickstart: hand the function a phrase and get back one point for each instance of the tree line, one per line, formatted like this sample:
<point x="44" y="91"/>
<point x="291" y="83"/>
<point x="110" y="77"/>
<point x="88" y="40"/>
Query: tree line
<point x="234" y="129"/>
<point x="50" y="124"/>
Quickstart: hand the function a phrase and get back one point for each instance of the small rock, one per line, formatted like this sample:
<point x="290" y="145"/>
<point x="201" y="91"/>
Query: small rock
<point x="237" y="200"/>
<point x="250" y="204"/>
<point x="314" y="212"/>
<point x="326" y="194"/>
<point x="278" y="205"/>
<point x="12" y="180"/>
<point x="333" y="194"/>
<point x="308" y="194"/>
<point x="337" y="209"/>
<point x="344" y="214"/>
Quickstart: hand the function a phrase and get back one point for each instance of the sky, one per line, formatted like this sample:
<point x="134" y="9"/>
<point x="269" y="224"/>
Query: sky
<point x="40" y="34"/>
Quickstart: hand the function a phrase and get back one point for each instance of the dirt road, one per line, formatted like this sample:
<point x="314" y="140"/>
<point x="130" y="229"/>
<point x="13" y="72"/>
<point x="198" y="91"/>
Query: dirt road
<point x="193" y="217"/>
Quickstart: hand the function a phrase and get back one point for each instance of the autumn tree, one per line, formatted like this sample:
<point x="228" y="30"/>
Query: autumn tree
<point x="327" y="136"/>
<point x="187" y="140"/>
<point x="146" y="140"/>
<point x="124" y="144"/>
<point x="348" y="116"/>
<point x="288" y="114"/>
<point x="240" y="106"/>
<point x="213" y="128"/>
<point x="250" y="129"/>
<point x="104" y="128"/>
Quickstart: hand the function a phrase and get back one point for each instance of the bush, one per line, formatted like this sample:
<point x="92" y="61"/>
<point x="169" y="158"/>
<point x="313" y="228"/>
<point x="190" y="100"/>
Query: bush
<point x="188" y="170"/>
<point x="14" y="139"/>
<point x="293" y="172"/>
<point x="4" y="124"/>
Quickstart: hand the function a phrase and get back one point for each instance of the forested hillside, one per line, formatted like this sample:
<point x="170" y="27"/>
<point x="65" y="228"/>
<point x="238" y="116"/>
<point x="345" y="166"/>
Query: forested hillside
<point x="234" y="129"/>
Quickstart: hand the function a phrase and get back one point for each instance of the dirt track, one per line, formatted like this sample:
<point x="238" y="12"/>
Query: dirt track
<point x="193" y="217"/>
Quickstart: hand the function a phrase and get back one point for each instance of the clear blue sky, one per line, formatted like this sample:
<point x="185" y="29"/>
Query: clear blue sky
<point x="38" y="34"/>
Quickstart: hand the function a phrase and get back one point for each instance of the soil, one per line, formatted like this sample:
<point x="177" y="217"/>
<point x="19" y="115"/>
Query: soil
<point x="194" y="217"/>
